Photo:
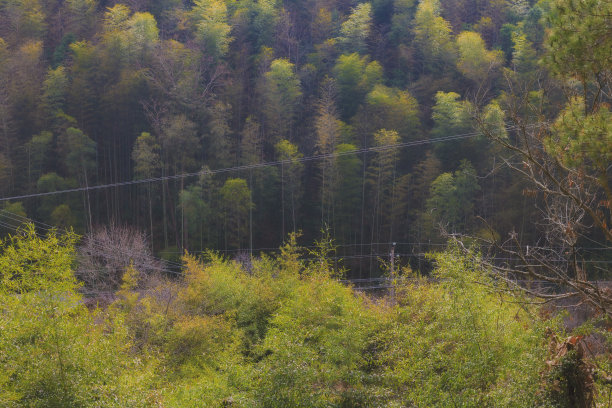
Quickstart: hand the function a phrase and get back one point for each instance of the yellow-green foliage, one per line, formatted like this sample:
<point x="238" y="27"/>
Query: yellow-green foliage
<point x="31" y="264"/>
<point x="314" y="354"/>
<point x="463" y="342"/>
<point x="206" y="334"/>
<point x="278" y="333"/>
<point x="299" y="338"/>
<point x="53" y="351"/>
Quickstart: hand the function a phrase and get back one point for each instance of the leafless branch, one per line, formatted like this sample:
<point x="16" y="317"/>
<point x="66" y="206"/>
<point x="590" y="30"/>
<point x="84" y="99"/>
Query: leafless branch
<point x="107" y="252"/>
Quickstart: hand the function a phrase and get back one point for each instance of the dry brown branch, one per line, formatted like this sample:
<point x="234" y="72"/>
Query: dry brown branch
<point x="574" y="205"/>
<point x="106" y="253"/>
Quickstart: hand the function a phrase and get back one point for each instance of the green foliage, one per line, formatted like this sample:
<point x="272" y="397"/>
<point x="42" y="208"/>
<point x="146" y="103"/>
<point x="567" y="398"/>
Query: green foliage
<point x="493" y="120"/>
<point x="432" y="34"/>
<point x="62" y="50"/>
<point x="52" y="182"/>
<point x="327" y="127"/>
<point x="146" y="156"/>
<point x="455" y="117"/>
<point x="219" y="83"/>
<point x="356" y="76"/>
<point x="380" y="182"/>
<point x="62" y="216"/>
<point x="579" y="41"/>
<point x="450" y="115"/>
<point x="5" y="170"/>
<point x="273" y="333"/>
<point x="210" y="17"/>
<point x="15" y="208"/>
<point x="281" y="76"/>
<point x="143" y="33"/>
<point x="38" y="149"/>
<point x="116" y="17"/>
<point x="315" y="349"/>
<point x="323" y="260"/>
<point x="469" y="343"/>
<point x="401" y="20"/>
<point x="582" y="141"/>
<point x="524" y="59"/>
<point x="226" y="312"/>
<point x="475" y="61"/>
<point x="250" y="143"/>
<point x="79" y="152"/>
<point x="28" y="265"/>
<point x="236" y="198"/>
<point x="82" y="15"/>
<point x="55" y="86"/>
<point x="348" y="189"/>
<point x="194" y="209"/>
<point x="219" y="140"/>
<point x="128" y="38"/>
<point x="316" y="343"/>
<point x="96" y="93"/>
<point x="291" y="171"/>
<point x="53" y="351"/>
<point x="25" y="19"/>
<point x="356" y="29"/>
<point x="393" y="109"/>
<point x="3" y="49"/>
<point x="451" y="197"/>
<point x="281" y="92"/>
<point x="265" y="17"/>
<point x="180" y="142"/>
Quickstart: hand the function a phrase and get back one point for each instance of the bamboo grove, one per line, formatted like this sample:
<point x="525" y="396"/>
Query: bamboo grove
<point x="102" y="93"/>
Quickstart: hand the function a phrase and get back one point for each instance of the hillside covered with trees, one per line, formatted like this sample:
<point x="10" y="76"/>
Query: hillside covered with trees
<point x="196" y="198"/>
<point x="228" y="124"/>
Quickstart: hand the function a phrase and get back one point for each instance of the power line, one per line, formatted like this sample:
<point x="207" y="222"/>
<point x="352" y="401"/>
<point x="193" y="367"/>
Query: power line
<point x="340" y="247"/>
<point x="381" y="280"/>
<point x="22" y="219"/>
<point x="256" y="166"/>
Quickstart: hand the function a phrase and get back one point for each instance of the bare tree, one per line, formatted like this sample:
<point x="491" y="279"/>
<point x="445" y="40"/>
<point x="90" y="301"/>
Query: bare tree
<point x="565" y="155"/>
<point x="574" y="202"/>
<point x="106" y="253"/>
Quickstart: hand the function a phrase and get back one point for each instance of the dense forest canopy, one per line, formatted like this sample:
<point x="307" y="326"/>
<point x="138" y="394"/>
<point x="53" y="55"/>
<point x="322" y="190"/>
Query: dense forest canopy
<point x="367" y="113"/>
<point x="227" y="163"/>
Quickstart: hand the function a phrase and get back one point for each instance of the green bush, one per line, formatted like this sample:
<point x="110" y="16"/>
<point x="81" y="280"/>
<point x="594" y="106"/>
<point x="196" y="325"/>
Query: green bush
<point x="464" y="341"/>
<point x="314" y="353"/>
<point x="54" y="352"/>
<point x="280" y="333"/>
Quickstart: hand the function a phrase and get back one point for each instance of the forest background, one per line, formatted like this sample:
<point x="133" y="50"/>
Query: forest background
<point x="349" y="100"/>
<point x="231" y="125"/>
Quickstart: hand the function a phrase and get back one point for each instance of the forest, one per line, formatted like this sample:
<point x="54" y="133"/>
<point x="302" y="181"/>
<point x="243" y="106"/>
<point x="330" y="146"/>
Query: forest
<point x="227" y="125"/>
<point x="306" y="203"/>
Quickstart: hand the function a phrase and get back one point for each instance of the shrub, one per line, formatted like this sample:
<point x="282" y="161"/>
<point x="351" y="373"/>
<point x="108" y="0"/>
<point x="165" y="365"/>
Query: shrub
<point x="54" y="352"/>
